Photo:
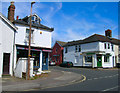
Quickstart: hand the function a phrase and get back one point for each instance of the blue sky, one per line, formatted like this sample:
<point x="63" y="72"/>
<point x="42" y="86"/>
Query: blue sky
<point x="72" y="20"/>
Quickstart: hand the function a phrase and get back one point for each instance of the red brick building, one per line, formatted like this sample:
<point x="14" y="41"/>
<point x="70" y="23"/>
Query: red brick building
<point x="57" y="52"/>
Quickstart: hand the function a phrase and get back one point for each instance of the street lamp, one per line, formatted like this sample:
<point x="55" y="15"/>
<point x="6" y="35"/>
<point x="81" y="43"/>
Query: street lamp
<point x="28" y="68"/>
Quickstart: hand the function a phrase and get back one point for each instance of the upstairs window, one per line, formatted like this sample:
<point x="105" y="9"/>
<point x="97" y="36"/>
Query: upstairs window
<point x="112" y="47"/>
<point x="79" y="48"/>
<point x="76" y="49"/>
<point x="105" y="45"/>
<point x="66" y="50"/>
<point x="27" y="35"/>
<point x="56" y="50"/>
<point x="108" y="46"/>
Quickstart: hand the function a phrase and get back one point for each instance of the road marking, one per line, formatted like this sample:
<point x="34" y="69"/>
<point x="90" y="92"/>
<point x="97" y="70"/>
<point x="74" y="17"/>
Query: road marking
<point x="72" y="82"/>
<point x="110" y="88"/>
<point x="104" y="77"/>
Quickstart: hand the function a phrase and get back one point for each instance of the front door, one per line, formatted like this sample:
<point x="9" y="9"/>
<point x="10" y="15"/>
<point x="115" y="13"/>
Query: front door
<point x="6" y="61"/>
<point x="45" y="61"/>
<point x="99" y="61"/>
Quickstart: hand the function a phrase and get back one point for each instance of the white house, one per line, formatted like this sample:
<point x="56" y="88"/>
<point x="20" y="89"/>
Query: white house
<point x="7" y="35"/>
<point x="94" y="51"/>
<point x="40" y="40"/>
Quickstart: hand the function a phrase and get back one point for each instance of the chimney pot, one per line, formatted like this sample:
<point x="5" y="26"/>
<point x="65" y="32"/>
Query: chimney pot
<point x="12" y="2"/>
<point x="17" y="17"/>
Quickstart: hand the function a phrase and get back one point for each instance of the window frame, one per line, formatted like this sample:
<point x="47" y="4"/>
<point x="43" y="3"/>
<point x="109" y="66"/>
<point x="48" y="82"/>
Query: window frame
<point x="106" y="58"/>
<point x="79" y="48"/>
<point x="27" y="35"/>
<point x="91" y="58"/>
<point x="76" y="49"/>
<point x="105" y="45"/>
<point x="108" y="46"/>
<point x="66" y="49"/>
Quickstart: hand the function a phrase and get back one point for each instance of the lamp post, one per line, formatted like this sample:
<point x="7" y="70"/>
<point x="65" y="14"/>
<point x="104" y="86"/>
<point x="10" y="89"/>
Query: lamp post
<point x="28" y="68"/>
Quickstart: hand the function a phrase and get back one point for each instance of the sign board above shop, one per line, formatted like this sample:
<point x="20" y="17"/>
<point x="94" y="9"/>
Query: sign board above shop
<point x="90" y="53"/>
<point x="22" y="48"/>
<point x="44" y="50"/>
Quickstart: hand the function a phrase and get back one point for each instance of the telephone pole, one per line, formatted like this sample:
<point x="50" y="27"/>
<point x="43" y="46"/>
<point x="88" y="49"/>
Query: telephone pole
<point x="28" y="68"/>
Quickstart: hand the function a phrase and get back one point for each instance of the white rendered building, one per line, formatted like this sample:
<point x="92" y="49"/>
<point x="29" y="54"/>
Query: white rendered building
<point x="94" y="51"/>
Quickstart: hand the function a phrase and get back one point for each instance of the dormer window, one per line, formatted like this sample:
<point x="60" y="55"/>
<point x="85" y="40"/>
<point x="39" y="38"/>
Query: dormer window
<point x="33" y="18"/>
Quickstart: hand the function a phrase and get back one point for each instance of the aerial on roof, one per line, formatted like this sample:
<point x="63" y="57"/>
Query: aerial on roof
<point x="61" y="43"/>
<point x="94" y="38"/>
<point x="36" y="22"/>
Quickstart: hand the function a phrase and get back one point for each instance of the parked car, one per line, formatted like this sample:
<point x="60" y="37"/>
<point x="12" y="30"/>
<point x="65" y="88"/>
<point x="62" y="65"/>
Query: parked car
<point x="52" y="63"/>
<point x="118" y="65"/>
<point x="66" y="64"/>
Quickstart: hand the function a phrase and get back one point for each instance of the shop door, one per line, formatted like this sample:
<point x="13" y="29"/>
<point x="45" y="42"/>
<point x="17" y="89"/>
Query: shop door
<point x="45" y="61"/>
<point x="6" y="61"/>
<point x="99" y="61"/>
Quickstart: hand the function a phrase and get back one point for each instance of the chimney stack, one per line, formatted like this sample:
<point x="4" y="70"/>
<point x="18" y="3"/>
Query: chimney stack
<point x="11" y="11"/>
<point x="108" y="33"/>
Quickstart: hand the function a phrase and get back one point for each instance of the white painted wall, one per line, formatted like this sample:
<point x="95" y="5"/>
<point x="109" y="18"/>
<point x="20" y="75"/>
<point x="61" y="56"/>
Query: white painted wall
<point x="39" y="40"/>
<point x="71" y="55"/>
<point x="6" y="44"/>
<point x="94" y="46"/>
<point x="22" y="67"/>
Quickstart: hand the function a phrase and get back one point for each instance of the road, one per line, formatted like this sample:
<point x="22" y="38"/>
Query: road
<point x="96" y="80"/>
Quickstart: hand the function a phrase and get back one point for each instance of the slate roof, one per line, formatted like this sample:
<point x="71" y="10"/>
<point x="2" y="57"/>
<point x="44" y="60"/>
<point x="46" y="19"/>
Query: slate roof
<point x="61" y="43"/>
<point x="94" y="38"/>
<point x="24" y="21"/>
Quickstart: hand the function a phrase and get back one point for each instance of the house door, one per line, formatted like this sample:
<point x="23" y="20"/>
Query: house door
<point x="6" y="61"/>
<point x="99" y="61"/>
<point x="45" y="61"/>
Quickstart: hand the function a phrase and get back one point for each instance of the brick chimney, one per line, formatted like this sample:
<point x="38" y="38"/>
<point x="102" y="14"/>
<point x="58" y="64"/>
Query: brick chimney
<point x="11" y="11"/>
<point x="108" y="33"/>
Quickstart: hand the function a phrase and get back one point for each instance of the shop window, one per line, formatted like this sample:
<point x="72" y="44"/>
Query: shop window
<point x="27" y="35"/>
<point x="45" y="58"/>
<point x="88" y="58"/>
<point x="106" y="58"/>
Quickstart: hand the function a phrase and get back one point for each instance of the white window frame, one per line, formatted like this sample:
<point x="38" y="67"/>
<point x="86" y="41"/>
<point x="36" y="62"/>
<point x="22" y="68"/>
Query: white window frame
<point x="88" y="56"/>
<point x="108" y="60"/>
<point x="27" y="36"/>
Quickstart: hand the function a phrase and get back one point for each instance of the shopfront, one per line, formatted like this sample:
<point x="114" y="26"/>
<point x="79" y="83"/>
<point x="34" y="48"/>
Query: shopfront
<point x="22" y="52"/>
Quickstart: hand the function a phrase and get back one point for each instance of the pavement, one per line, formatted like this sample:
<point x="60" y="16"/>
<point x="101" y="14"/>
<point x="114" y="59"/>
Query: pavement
<point x="55" y="78"/>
